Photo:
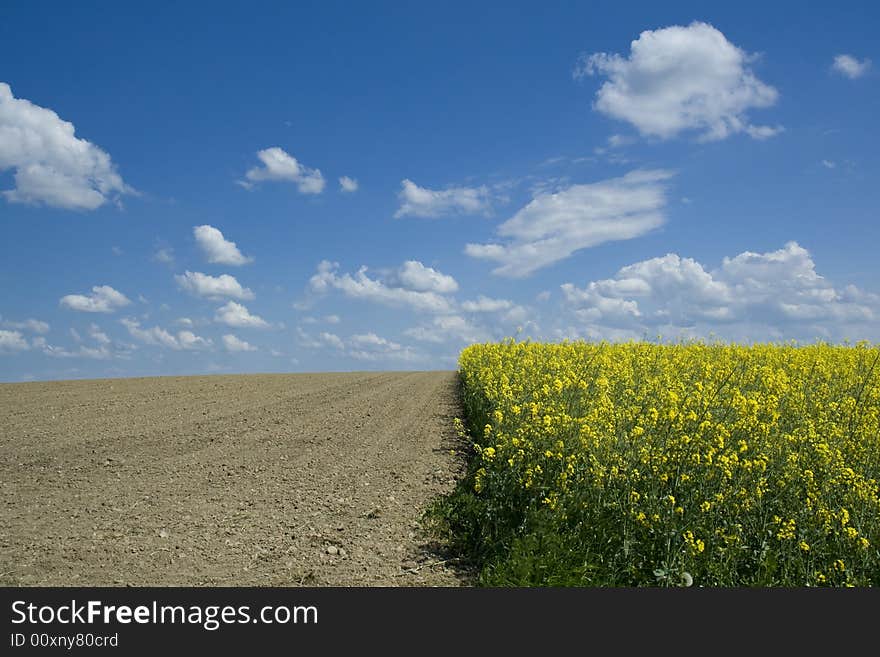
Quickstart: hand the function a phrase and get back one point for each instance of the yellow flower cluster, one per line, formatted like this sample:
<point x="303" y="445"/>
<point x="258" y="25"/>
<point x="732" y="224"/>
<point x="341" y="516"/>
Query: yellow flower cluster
<point x="739" y="465"/>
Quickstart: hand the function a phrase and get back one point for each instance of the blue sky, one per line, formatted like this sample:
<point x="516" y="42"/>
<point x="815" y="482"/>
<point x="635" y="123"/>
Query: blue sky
<point x="278" y="187"/>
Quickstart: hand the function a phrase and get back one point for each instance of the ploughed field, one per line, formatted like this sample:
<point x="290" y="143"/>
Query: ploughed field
<point x="250" y="480"/>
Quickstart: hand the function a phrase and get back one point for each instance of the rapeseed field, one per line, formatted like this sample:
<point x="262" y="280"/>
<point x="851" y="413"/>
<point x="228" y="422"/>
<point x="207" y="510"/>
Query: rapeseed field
<point x="690" y="464"/>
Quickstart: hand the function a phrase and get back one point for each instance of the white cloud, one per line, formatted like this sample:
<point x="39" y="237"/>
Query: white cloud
<point x="347" y="184"/>
<point x="185" y="321"/>
<point x="52" y="166"/>
<point x="681" y="78"/>
<point x="154" y="336"/>
<point x="102" y="351"/>
<point x="212" y="287"/>
<point x="372" y="340"/>
<point x="12" y="341"/>
<point x="189" y="340"/>
<point x="415" y="276"/>
<point x="517" y="315"/>
<point x="280" y="166"/>
<point x="97" y="353"/>
<point x="449" y="328"/>
<point x="117" y="251"/>
<point x="159" y="337"/>
<point x="828" y="164"/>
<point x="553" y="226"/>
<point x="418" y="201"/>
<point x="164" y="255"/>
<point x="98" y="335"/>
<point x="104" y="299"/>
<point x="361" y="286"/>
<point x="326" y="319"/>
<point x="760" y="132"/>
<point x="232" y="343"/>
<point x="618" y="141"/>
<point x="371" y="347"/>
<point x="483" y="304"/>
<point x="32" y="325"/>
<point x="331" y="339"/>
<point x="235" y="314"/>
<point x="364" y="346"/>
<point x="217" y="249"/>
<point x="850" y="66"/>
<point x="305" y="340"/>
<point x="761" y="296"/>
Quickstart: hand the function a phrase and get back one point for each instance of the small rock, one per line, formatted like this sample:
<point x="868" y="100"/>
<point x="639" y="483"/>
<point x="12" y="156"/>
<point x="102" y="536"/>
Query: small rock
<point x="342" y="552"/>
<point x="163" y="533"/>
<point x="332" y="550"/>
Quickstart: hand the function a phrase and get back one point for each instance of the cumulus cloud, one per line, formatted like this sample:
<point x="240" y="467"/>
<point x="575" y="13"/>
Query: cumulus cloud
<point x="483" y="304"/>
<point x="98" y="335"/>
<point x="100" y="352"/>
<point x="347" y="184"/>
<point x="327" y="319"/>
<point x="681" y="78"/>
<point x="159" y="337"/>
<point x="217" y="249"/>
<point x="372" y="340"/>
<point x="764" y="296"/>
<point x="236" y="315"/>
<point x="51" y="165"/>
<point x="506" y="311"/>
<point x="189" y="340"/>
<point x="164" y="255"/>
<point x="418" y="201"/>
<point x="31" y="325"/>
<point x="306" y="340"/>
<point x="233" y="343"/>
<point x="849" y="66"/>
<point x="280" y="166"/>
<point x="415" y="276"/>
<point x="361" y="286"/>
<point x="449" y="328"/>
<point x="11" y="341"/>
<point x="331" y="339"/>
<point x="153" y="336"/>
<point x="104" y="299"/>
<point x="363" y="346"/>
<point x="212" y="287"/>
<point x="371" y="347"/>
<point x="553" y="226"/>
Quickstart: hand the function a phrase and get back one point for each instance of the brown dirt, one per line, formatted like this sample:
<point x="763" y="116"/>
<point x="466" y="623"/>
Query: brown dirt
<point x="253" y="480"/>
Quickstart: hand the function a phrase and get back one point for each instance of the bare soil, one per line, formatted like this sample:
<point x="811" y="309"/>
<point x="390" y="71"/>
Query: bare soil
<point x="252" y="480"/>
